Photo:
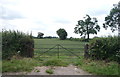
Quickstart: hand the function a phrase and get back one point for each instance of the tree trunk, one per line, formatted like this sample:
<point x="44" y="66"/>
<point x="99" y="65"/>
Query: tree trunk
<point x="119" y="29"/>
<point x="88" y="37"/>
<point x="87" y="34"/>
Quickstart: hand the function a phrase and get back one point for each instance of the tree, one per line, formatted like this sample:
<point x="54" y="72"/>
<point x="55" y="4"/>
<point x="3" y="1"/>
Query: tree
<point x="40" y="35"/>
<point x="113" y="19"/>
<point x="87" y="26"/>
<point x="62" y="34"/>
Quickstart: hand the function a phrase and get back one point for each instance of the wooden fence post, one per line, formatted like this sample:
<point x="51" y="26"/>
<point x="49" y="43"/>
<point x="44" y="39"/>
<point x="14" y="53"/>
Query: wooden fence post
<point x="29" y="50"/>
<point x="86" y="52"/>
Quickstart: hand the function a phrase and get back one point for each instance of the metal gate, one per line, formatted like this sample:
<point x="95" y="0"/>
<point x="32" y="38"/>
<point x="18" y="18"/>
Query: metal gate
<point x="59" y="50"/>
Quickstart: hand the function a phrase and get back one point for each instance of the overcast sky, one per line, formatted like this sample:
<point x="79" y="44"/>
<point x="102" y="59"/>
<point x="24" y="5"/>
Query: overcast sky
<point x="48" y="16"/>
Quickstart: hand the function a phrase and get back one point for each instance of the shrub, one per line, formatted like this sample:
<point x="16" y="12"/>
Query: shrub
<point x="15" y="42"/>
<point x="105" y="48"/>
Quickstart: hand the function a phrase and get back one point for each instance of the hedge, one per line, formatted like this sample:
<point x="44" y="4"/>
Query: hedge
<point x="107" y="48"/>
<point x="16" y="42"/>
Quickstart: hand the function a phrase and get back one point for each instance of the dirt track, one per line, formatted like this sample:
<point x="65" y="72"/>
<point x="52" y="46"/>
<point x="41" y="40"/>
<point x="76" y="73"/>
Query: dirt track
<point x="69" y="70"/>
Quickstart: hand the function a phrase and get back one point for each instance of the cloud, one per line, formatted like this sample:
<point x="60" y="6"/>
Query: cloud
<point x="4" y="2"/>
<point x="8" y="14"/>
<point x="98" y="12"/>
<point x="47" y="16"/>
<point x="62" y="20"/>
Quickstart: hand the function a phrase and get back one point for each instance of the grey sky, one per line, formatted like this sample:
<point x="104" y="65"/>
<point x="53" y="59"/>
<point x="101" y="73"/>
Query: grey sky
<point x="47" y="16"/>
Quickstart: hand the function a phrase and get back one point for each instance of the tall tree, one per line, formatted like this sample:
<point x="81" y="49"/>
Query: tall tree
<point x="87" y="26"/>
<point x="62" y="34"/>
<point x="113" y="19"/>
<point x="40" y="35"/>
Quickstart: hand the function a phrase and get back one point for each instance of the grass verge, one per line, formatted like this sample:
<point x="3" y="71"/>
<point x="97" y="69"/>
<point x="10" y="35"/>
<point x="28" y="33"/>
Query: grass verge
<point x="99" y="67"/>
<point x="15" y="65"/>
<point x="91" y="66"/>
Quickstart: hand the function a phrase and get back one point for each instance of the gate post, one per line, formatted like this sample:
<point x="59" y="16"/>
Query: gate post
<point x="58" y="51"/>
<point x="86" y="52"/>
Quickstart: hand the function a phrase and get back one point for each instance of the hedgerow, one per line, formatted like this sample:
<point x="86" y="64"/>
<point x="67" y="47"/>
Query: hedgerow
<point x="107" y="48"/>
<point x="16" y="42"/>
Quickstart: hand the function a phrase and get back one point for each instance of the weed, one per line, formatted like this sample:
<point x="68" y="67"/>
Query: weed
<point x="55" y="62"/>
<point x="36" y="70"/>
<point x="49" y="71"/>
<point x="78" y="63"/>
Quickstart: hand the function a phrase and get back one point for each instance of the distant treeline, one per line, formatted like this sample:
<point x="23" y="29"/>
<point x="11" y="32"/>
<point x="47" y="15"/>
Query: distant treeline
<point x="77" y="39"/>
<point x="49" y="37"/>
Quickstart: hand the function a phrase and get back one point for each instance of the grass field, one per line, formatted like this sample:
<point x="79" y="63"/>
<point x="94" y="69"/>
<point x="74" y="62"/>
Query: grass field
<point x="61" y="48"/>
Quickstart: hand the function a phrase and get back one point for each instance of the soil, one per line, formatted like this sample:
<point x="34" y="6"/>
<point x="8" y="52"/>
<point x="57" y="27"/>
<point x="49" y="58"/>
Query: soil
<point x="57" y="70"/>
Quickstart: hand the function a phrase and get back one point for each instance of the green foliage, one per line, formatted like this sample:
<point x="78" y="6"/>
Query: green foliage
<point x="14" y="65"/>
<point x="40" y="35"/>
<point x="15" y="42"/>
<point x="49" y="71"/>
<point x="105" y="48"/>
<point x="113" y="19"/>
<point x="55" y="62"/>
<point x="62" y="34"/>
<point x="87" y="26"/>
<point x="26" y="47"/>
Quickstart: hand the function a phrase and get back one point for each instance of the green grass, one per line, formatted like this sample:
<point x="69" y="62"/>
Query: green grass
<point x="25" y="64"/>
<point x="56" y="41"/>
<point x="98" y="67"/>
<point x="53" y="42"/>
<point x="55" y="62"/>
<point x="41" y="44"/>
<point x="49" y="71"/>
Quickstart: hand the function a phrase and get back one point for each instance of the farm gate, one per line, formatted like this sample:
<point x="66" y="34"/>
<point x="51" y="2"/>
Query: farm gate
<point x="59" y="50"/>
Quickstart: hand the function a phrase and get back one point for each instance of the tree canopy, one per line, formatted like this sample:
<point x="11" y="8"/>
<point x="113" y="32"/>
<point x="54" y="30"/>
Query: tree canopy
<point x="87" y="26"/>
<point x="113" y="19"/>
<point x="62" y="34"/>
<point x="40" y="35"/>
